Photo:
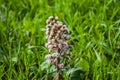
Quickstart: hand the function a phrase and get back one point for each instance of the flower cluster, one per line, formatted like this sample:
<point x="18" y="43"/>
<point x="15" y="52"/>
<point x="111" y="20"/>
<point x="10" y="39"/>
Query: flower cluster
<point x="57" y="36"/>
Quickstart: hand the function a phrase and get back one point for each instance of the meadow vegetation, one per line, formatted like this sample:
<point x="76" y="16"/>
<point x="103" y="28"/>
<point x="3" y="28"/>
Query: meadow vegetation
<point x="93" y="24"/>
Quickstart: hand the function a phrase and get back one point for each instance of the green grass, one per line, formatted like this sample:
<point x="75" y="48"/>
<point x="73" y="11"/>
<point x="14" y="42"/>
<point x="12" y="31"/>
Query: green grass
<point x="93" y="24"/>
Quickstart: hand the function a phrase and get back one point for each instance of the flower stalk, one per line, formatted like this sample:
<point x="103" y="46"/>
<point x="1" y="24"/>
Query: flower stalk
<point x="57" y="37"/>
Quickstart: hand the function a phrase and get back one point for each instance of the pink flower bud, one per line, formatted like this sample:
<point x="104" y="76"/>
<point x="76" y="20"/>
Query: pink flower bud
<point x="48" y="56"/>
<point x="59" y="25"/>
<point x="60" y="46"/>
<point x="50" y="47"/>
<point x="58" y="22"/>
<point x="53" y="40"/>
<point x="53" y="21"/>
<point x="64" y="36"/>
<point x="64" y="26"/>
<point x="48" y="21"/>
<point x="51" y="17"/>
<point x="68" y="37"/>
<point x="52" y="33"/>
<point x="57" y="36"/>
<point x="55" y="25"/>
<point x="61" y="66"/>
<point x="57" y="54"/>
<point x="48" y="26"/>
<point x="61" y="29"/>
<point x="56" y="17"/>
<point x="58" y="31"/>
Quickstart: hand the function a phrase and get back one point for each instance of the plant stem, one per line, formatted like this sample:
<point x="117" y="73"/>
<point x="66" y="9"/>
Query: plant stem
<point x="58" y="69"/>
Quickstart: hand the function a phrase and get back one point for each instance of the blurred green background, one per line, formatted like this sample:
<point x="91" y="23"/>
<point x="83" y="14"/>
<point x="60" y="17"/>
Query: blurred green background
<point x="94" y="26"/>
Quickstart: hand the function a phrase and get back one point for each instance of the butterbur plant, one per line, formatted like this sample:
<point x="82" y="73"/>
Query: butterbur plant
<point x="57" y="36"/>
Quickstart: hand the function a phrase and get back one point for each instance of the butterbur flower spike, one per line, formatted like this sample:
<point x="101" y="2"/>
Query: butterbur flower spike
<point x="57" y="37"/>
